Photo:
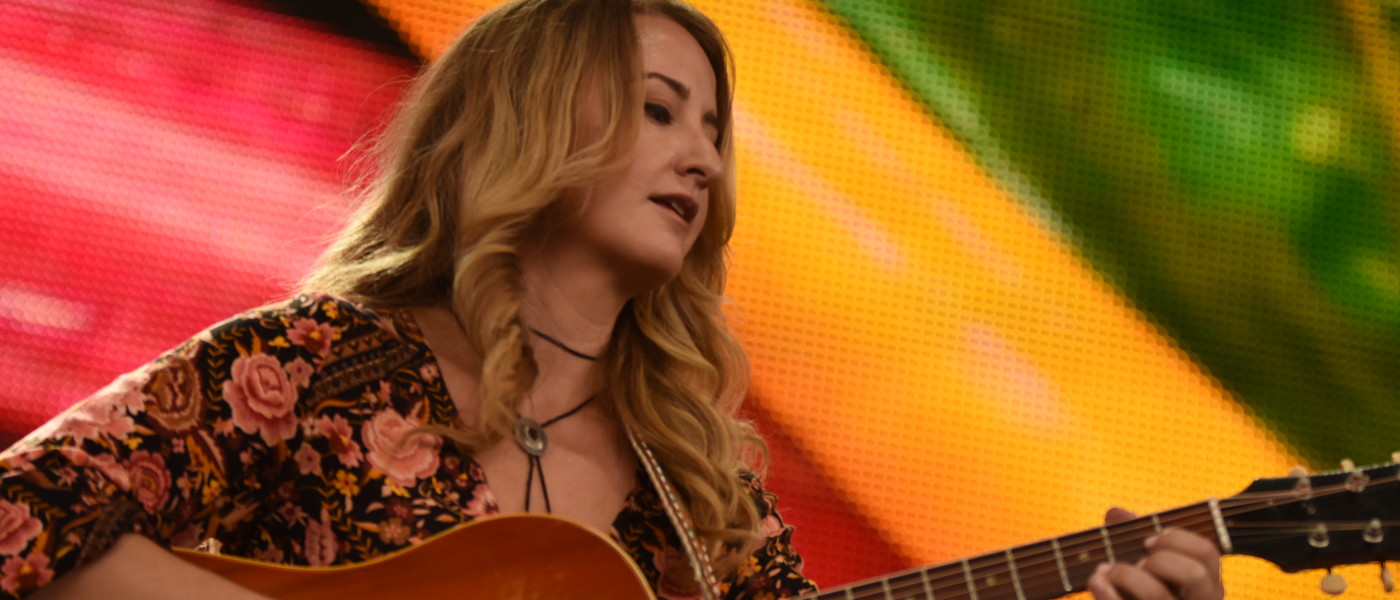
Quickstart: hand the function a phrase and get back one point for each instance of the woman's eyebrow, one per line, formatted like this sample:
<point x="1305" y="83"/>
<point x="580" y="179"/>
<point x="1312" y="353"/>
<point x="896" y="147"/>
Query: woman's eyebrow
<point x="680" y="88"/>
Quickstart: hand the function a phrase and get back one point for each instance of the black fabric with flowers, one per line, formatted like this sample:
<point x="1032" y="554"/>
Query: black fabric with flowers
<point x="274" y="432"/>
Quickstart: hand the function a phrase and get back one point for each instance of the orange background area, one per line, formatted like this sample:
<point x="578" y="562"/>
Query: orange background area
<point x="940" y="372"/>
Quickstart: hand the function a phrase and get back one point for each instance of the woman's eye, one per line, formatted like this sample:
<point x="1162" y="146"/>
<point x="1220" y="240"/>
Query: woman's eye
<point x="658" y="113"/>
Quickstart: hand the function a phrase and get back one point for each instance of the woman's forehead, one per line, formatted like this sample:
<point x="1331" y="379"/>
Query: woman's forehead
<point x="669" y="50"/>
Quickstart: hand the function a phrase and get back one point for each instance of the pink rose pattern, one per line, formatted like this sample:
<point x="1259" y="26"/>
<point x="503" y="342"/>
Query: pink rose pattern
<point x="403" y="460"/>
<point x="149" y="479"/>
<point x="262" y="397"/>
<point x="17" y="526"/>
<point x="279" y="424"/>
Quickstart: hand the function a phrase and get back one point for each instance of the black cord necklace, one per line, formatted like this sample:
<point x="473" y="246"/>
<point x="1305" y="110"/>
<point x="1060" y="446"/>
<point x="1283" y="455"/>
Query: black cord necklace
<point x="531" y="437"/>
<point x="562" y="345"/>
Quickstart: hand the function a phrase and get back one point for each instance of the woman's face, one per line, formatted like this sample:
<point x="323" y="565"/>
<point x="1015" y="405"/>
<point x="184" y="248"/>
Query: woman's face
<point x="641" y="222"/>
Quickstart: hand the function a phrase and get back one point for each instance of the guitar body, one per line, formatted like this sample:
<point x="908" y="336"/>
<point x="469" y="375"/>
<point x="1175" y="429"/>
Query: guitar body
<point x="1297" y="522"/>
<point x="525" y="557"/>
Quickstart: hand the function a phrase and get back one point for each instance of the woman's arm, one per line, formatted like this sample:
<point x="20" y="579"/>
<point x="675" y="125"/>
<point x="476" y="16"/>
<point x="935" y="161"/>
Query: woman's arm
<point x="177" y="450"/>
<point x="139" y="569"/>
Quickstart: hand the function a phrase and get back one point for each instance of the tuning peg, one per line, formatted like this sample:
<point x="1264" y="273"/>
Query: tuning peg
<point x="1374" y="533"/>
<point x="1387" y="580"/>
<point x="1395" y="456"/>
<point x="1357" y="480"/>
<point x="1318" y="537"/>
<point x="1333" y="584"/>
<point x="1302" y="488"/>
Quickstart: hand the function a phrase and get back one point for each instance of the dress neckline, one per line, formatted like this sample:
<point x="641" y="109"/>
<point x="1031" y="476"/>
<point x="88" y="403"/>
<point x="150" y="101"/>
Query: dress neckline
<point x="410" y="332"/>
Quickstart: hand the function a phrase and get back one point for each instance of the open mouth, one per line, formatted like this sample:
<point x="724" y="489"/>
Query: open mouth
<point x="683" y="206"/>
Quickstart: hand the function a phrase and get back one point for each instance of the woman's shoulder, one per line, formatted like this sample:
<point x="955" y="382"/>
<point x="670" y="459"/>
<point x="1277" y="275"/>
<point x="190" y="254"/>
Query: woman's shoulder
<point x="315" y="337"/>
<point x="315" y="307"/>
<point x="314" y="322"/>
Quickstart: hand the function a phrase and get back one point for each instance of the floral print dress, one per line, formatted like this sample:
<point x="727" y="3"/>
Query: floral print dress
<point x="274" y="433"/>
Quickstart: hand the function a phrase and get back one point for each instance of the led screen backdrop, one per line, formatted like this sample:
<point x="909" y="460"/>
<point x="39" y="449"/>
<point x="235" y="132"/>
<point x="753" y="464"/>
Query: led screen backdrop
<point x="999" y="265"/>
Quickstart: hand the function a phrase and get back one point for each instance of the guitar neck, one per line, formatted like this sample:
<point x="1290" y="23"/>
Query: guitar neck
<point x="1039" y="571"/>
<point x="1297" y="522"/>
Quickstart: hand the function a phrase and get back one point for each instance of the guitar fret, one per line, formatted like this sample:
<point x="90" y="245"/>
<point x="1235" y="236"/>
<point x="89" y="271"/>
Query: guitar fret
<point x="1225" y="545"/>
<point x="1075" y="555"/>
<point x="967" y="576"/>
<point x="1015" y="577"/>
<point x="1060" y="562"/>
<point x="1107" y="544"/>
<point x="1021" y="572"/>
<point x="928" y="587"/>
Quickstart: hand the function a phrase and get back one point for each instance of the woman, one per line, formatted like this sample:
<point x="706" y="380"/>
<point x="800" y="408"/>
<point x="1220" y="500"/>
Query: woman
<point x="541" y="254"/>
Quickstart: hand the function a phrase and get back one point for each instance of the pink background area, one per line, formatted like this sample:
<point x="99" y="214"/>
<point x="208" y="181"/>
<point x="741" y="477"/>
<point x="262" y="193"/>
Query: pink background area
<point x="166" y="165"/>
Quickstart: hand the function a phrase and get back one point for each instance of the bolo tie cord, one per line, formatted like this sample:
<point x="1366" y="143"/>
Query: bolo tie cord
<point x="537" y="465"/>
<point x="531" y="437"/>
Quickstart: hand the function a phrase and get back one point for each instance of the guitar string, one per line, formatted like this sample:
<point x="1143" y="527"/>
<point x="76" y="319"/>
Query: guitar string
<point x="1034" y="567"/>
<point x="1029" y="570"/>
<point x="1029" y="574"/>
<point x="910" y="585"/>
<point x="1240" y="504"/>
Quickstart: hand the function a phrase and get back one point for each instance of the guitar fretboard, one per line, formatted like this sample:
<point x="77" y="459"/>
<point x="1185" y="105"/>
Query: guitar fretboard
<point x="1039" y="571"/>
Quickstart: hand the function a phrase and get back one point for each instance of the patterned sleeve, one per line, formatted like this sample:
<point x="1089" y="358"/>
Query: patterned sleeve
<point x="773" y="570"/>
<point x="175" y="450"/>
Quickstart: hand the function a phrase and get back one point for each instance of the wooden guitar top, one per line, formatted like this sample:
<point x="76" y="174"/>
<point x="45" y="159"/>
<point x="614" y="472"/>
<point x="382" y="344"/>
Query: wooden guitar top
<point x="522" y="557"/>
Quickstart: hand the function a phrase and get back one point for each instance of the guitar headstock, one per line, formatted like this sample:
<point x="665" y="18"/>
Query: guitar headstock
<point x="1302" y="521"/>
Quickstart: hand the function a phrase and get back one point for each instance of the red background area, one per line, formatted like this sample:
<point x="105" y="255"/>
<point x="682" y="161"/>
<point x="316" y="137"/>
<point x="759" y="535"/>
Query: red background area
<point x="166" y="165"/>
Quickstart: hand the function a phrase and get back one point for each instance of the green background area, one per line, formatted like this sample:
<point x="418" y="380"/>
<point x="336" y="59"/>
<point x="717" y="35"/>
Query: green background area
<point x="1228" y="166"/>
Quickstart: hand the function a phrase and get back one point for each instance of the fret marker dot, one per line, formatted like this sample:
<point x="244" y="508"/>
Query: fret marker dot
<point x="991" y="581"/>
<point x="1083" y="557"/>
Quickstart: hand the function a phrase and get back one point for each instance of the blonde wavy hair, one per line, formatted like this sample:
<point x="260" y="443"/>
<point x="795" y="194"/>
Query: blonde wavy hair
<point x="485" y="145"/>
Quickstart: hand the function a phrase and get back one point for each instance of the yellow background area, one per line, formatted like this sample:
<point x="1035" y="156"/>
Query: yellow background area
<point x="936" y="348"/>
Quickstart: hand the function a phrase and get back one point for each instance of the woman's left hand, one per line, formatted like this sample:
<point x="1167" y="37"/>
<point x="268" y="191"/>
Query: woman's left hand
<point x="1179" y="564"/>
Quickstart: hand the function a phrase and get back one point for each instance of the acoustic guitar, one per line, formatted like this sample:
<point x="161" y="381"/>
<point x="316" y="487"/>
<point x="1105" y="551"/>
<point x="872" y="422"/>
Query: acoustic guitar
<point x="1298" y="522"/>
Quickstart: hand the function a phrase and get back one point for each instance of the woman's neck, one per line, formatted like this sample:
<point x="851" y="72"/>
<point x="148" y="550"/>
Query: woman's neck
<point x="579" y="311"/>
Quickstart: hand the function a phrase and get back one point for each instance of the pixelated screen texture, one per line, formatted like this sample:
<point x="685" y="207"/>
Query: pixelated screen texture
<point x="164" y="166"/>
<point x="948" y="356"/>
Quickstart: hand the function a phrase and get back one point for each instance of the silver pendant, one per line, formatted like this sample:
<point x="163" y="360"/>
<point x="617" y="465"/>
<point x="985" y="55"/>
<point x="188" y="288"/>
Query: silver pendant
<point x="530" y="435"/>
